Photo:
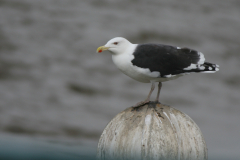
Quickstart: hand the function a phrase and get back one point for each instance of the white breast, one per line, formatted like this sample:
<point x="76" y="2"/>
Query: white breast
<point x="123" y="62"/>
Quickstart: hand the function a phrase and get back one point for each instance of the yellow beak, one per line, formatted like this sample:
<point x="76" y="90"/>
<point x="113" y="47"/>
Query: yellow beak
<point x="102" y="48"/>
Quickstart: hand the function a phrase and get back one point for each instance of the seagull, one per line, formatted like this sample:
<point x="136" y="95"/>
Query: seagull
<point x="152" y="62"/>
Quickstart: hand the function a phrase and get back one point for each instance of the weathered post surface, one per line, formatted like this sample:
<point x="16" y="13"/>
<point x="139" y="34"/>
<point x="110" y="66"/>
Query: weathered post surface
<point x="152" y="132"/>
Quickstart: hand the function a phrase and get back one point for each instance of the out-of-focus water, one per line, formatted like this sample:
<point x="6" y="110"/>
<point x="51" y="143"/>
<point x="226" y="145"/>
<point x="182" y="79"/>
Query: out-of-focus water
<point x="54" y="87"/>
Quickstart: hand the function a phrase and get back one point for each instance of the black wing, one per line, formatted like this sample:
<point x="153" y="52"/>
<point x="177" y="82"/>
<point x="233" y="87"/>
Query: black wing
<point x="165" y="59"/>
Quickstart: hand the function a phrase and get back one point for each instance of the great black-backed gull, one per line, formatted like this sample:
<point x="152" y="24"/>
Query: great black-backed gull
<point x="150" y="63"/>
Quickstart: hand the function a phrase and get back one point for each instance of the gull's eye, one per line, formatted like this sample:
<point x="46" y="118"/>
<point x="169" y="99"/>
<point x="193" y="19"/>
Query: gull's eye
<point x="115" y="43"/>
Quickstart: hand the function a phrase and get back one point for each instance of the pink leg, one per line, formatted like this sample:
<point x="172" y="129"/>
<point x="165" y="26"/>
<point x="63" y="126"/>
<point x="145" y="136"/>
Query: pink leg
<point x="158" y="93"/>
<point x="148" y="97"/>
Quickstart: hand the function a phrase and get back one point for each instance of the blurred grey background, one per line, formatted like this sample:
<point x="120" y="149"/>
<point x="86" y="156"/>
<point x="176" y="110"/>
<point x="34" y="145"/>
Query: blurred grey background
<point x="54" y="88"/>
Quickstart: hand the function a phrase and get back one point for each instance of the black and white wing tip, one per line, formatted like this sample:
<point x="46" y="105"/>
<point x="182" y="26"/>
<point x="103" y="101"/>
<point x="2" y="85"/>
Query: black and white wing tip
<point x="202" y="66"/>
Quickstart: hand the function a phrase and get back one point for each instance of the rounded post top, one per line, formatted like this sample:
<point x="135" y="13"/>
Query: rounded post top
<point x="152" y="131"/>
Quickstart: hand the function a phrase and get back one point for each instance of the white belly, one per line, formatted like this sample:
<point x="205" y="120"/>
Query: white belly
<point x="123" y="62"/>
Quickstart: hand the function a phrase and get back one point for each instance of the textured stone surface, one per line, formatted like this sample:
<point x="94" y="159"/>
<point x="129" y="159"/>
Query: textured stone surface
<point x="153" y="131"/>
